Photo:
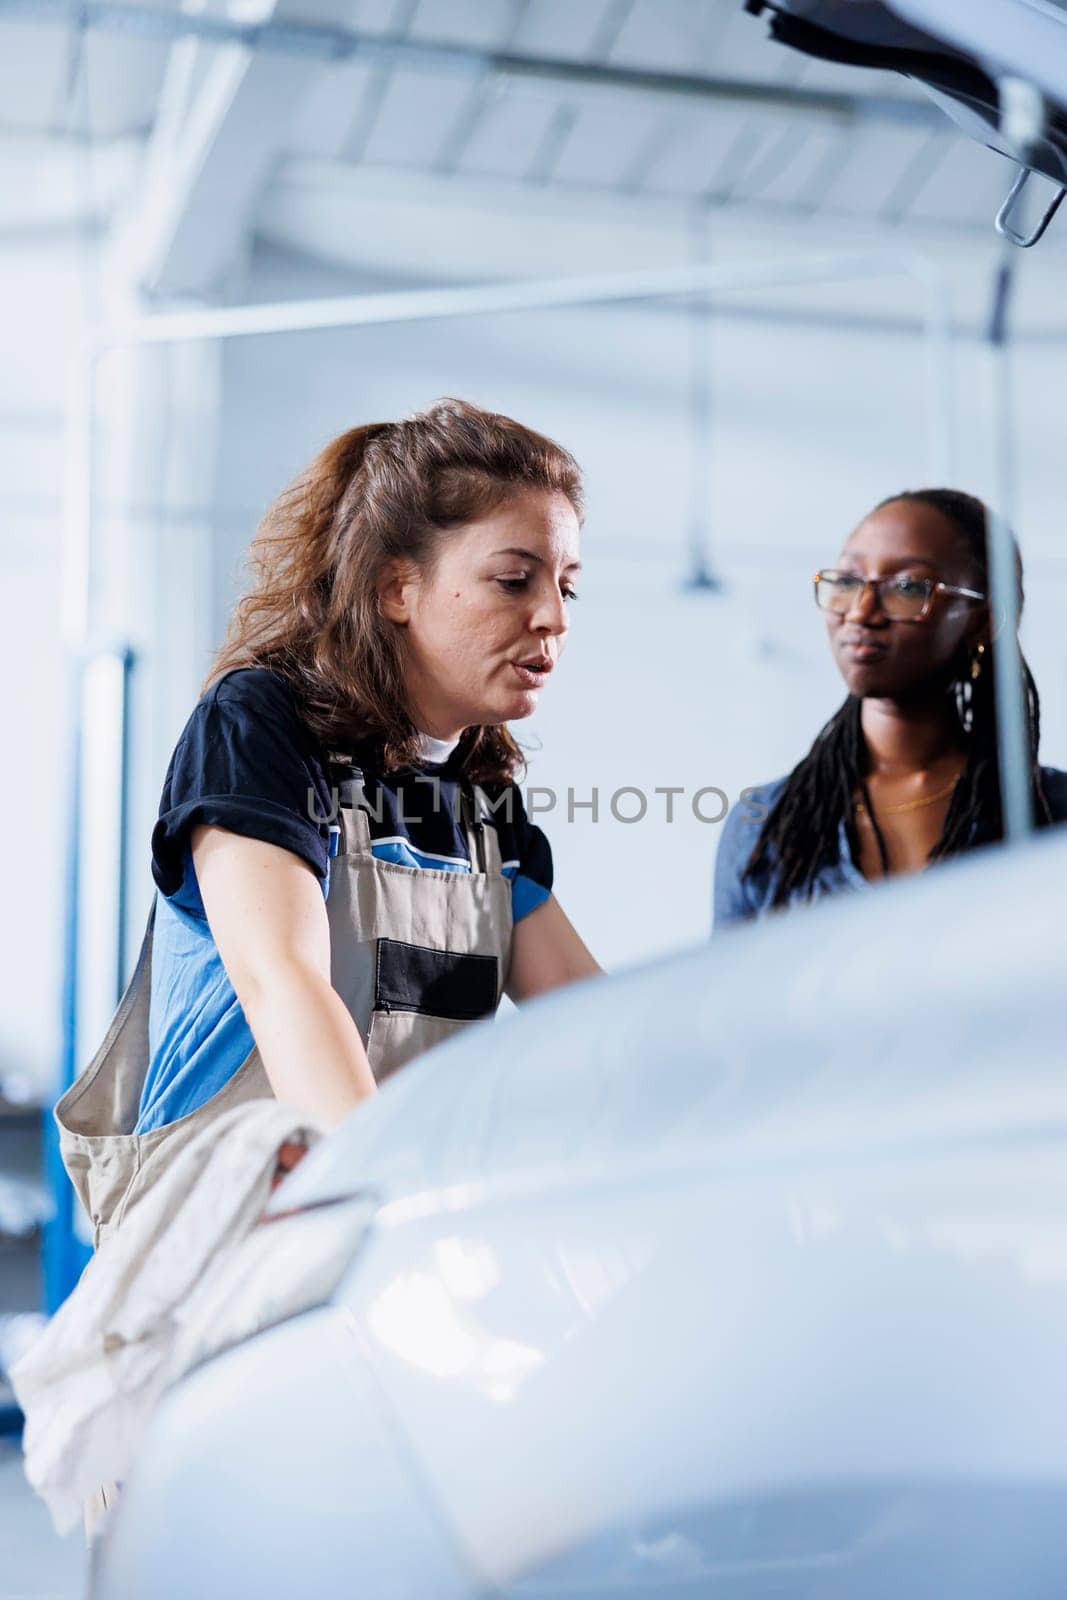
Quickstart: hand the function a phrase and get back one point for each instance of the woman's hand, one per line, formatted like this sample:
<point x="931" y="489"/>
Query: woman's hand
<point x="546" y="953"/>
<point x="289" y="1153"/>
<point x="267" y="915"/>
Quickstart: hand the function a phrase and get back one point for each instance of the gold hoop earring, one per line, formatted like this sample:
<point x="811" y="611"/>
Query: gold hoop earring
<point x="976" y="662"/>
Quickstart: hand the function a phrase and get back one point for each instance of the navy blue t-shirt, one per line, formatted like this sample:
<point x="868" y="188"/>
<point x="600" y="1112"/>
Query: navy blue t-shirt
<point x="247" y="761"/>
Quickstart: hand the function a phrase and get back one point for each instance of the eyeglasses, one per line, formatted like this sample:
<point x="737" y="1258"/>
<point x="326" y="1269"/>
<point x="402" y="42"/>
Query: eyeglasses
<point x="902" y="599"/>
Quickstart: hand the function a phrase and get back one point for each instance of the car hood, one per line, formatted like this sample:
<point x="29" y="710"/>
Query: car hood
<point x="924" y="1012"/>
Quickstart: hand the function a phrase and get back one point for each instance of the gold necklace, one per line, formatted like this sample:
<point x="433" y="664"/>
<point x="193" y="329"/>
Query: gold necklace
<point x="913" y="805"/>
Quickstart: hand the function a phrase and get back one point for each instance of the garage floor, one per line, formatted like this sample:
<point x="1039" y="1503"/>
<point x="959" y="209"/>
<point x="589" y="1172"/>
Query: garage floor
<point x="34" y="1563"/>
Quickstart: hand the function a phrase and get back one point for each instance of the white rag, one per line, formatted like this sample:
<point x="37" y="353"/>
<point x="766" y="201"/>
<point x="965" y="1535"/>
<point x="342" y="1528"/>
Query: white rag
<point x="186" y="1275"/>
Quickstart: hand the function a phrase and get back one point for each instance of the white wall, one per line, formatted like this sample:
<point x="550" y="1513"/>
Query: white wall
<point x="155" y="437"/>
<point x="40" y="288"/>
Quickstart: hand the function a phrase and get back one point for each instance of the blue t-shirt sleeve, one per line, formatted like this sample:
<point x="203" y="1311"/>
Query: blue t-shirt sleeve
<point x="736" y="898"/>
<point x="525" y="853"/>
<point x="246" y="762"/>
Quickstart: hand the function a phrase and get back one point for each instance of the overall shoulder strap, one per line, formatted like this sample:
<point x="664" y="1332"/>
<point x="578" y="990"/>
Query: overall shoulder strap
<point x="351" y="821"/>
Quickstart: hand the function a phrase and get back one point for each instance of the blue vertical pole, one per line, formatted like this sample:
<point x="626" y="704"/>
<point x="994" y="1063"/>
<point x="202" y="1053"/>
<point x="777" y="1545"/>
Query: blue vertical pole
<point x="64" y="1255"/>
<point x="126" y="658"/>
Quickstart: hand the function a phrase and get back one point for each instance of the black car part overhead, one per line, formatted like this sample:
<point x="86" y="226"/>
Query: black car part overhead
<point x="972" y="91"/>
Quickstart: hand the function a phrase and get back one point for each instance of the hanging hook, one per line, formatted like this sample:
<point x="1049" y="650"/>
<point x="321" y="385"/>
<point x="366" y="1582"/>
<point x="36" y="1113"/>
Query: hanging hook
<point x="1003" y="225"/>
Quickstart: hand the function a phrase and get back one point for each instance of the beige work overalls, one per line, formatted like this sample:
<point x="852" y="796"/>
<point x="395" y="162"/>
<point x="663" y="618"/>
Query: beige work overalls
<point x="416" y="953"/>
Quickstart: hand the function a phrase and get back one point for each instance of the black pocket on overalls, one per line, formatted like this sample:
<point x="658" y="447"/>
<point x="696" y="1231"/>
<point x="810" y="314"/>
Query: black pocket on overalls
<point x="435" y="983"/>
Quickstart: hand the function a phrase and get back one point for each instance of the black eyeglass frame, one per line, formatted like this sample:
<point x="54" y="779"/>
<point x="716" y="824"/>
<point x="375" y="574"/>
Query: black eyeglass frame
<point x="935" y="587"/>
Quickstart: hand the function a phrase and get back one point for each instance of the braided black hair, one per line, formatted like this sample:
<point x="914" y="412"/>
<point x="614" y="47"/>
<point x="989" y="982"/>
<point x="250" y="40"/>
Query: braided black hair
<point x="801" y="834"/>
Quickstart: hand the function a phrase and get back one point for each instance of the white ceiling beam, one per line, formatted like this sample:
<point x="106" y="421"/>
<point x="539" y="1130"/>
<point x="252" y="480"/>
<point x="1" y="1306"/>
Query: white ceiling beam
<point x="225" y="113"/>
<point x="282" y="30"/>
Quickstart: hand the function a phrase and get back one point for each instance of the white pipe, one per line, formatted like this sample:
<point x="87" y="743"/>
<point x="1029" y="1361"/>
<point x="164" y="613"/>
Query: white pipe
<point x="75" y="577"/>
<point x="417" y="305"/>
<point x="101" y="711"/>
<point x="302" y="316"/>
<point x="1013" y="745"/>
<point x="937" y="372"/>
<point x="1022" y="121"/>
<point x="700" y="575"/>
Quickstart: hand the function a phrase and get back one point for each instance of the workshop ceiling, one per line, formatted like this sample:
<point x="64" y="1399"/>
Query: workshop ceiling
<point x="502" y="104"/>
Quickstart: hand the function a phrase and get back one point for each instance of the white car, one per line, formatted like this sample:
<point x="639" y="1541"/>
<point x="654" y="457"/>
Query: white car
<point x="741" y="1275"/>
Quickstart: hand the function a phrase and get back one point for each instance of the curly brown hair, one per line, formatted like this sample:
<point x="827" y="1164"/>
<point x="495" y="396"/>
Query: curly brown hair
<point x="383" y="491"/>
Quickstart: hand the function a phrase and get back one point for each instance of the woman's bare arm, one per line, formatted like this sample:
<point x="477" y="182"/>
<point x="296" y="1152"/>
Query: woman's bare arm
<point x="267" y="915"/>
<point x="546" y="953"/>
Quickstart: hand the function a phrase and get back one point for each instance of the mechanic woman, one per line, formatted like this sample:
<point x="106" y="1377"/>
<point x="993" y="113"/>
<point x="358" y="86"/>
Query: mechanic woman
<point x="905" y="773"/>
<point x="346" y="874"/>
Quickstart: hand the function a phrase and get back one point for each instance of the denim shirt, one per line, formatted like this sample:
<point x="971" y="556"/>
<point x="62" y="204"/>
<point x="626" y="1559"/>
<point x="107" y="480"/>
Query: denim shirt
<point x="738" y="899"/>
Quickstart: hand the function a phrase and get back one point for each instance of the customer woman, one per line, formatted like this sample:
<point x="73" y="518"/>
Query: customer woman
<point x="905" y="773"/>
<point x="345" y="870"/>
